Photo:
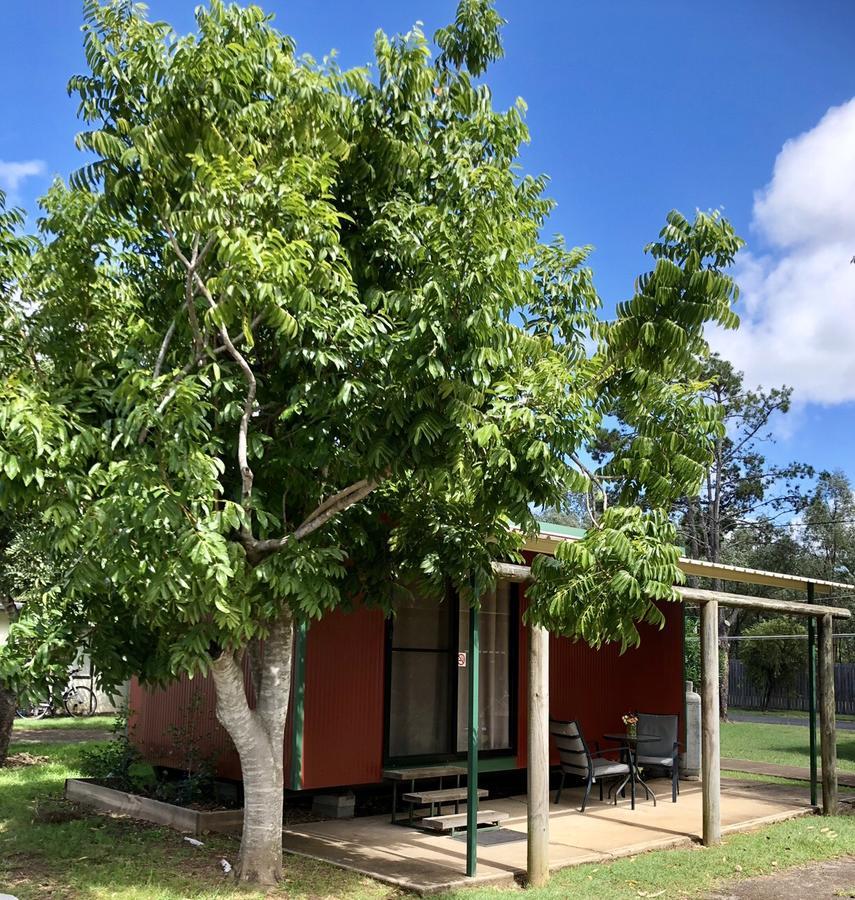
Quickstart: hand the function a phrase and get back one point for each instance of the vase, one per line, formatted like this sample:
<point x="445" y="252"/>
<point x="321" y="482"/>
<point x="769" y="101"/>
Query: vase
<point x="631" y="731"/>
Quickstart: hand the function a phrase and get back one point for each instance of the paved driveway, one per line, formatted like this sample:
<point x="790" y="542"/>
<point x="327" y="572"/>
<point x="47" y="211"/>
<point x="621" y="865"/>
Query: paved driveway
<point x="784" y="719"/>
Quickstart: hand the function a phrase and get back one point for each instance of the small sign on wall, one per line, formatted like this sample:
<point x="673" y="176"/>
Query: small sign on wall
<point x="461" y="660"/>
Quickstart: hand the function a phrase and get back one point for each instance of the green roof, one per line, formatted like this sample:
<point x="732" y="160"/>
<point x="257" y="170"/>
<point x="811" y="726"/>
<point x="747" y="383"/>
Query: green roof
<point x="564" y="530"/>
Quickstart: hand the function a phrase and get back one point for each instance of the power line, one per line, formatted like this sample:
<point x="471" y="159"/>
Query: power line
<point x="769" y="637"/>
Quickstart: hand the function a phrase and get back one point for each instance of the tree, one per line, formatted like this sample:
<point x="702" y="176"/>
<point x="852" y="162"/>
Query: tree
<point x="829" y="527"/>
<point x="37" y="654"/>
<point x="740" y="484"/>
<point x="771" y="659"/>
<point x="272" y="361"/>
<point x="14" y="257"/>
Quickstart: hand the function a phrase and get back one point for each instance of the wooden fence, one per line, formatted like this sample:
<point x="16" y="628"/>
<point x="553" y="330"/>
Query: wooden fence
<point x="746" y="695"/>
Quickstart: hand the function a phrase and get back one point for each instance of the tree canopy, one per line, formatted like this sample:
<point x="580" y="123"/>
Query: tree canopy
<point x="291" y="338"/>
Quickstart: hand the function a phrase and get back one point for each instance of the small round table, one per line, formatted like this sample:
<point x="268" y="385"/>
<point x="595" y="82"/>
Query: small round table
<point x="629" y="743"/>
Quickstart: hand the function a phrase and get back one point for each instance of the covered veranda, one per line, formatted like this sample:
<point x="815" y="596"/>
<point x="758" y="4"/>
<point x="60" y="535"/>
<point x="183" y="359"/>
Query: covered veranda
<point x="539" y="836"/>
<point x="425" y="863"/>
<point x="820" y="620"/>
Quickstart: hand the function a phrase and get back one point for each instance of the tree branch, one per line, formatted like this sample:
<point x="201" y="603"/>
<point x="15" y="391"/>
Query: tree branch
<point x="325" y="511"/>
<point x="188" y="368"/>
<point x="164" y="347"/>
<point x="249" y="401"/>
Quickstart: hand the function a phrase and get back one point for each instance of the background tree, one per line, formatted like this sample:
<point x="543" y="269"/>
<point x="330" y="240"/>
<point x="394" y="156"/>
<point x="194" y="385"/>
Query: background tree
<point x="740" y="485"/>
<point x="828" y="527"/>
<point x="772" y="661"/>
<point x="38" y="653"/>
<point x="271" y="362"/>
<point x="740" y="488"/>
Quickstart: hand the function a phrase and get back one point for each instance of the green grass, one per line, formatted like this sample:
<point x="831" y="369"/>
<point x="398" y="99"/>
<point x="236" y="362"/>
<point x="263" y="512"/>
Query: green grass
<point x="92" y="857"/>
<point x="696" y="870"/>
<point x="785" y="745"/>
<point x="96" y="723"/>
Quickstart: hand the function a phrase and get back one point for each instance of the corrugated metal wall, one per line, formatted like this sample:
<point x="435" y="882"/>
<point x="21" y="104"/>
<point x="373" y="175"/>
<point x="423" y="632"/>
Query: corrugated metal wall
<point x="344" y="697"/>
<point x="599" y="686"/>
<point x="168" y="724"/>
<point x="343" y="733"/>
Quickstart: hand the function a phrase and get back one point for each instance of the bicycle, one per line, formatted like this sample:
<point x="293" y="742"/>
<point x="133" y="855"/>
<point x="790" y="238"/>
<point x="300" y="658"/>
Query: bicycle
<point x="78" y="700"/>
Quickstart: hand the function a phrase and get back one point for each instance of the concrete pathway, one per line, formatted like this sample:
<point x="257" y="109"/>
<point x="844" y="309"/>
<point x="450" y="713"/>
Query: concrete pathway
<point x="794" y="773"/>
<point x="784" y="719"/>
<point x="834" y="878"/>
<point x="427" y="863"/>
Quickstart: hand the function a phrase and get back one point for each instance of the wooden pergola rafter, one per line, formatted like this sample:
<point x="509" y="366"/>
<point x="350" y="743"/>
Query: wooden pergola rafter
<point x="709" y="602"/>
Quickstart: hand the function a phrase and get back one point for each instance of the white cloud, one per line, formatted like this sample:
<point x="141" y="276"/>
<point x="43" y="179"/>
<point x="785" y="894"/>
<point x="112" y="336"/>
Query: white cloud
<point x="13" y="173"/>
<point x="798" y="300"/>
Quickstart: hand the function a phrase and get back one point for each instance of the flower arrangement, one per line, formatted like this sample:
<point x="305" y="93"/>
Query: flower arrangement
<point x="630" y="720"/>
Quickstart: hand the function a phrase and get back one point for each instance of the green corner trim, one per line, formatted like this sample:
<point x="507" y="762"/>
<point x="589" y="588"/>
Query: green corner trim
<point x="298" y="708"/>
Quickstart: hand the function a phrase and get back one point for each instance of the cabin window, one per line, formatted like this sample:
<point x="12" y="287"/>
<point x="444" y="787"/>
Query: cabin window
<point x="427" y="677"/>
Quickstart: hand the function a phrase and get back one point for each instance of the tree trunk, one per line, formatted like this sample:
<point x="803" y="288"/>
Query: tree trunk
<point x="8" y="702"/>
<point x="259" y="736"/>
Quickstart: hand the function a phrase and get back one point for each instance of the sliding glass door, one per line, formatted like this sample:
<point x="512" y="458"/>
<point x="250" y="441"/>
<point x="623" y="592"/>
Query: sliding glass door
<point x="427" y="666"/>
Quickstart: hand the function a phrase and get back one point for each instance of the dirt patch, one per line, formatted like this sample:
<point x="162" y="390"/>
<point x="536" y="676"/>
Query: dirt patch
<point x="19" y="760"/>
<point x="835" y="878"/>
<point x="59" y="735"/>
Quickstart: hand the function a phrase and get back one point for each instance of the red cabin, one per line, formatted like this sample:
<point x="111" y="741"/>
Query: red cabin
<point x="369" y="693"/>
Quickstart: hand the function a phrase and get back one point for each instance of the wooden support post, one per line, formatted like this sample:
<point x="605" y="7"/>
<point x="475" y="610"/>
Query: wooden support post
<point x="811" y="662"/>
<point x="827" y="729"/>
<point x="538" y="756"/>
<point x="710" y="742"/>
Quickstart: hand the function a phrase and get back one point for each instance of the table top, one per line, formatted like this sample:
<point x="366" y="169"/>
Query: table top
<point x="631" y="738"/>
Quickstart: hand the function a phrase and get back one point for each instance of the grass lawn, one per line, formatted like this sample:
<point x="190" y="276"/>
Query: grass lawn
<point x="96" y="723"/>
<point x="92" y="857"/>
<point x="673" y="874"/>
<point x="786" y="745"/>
<point x="49" y="849"/>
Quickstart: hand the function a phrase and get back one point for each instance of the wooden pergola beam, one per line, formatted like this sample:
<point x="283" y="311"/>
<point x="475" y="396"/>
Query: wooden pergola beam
<point x="522" y="575"/>
<point x="710" y="730"/>
<point x="743" y="601"/>
<point x="538" y="756"/>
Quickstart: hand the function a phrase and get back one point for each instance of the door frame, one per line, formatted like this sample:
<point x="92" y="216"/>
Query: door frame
<point x="452" y="754"/>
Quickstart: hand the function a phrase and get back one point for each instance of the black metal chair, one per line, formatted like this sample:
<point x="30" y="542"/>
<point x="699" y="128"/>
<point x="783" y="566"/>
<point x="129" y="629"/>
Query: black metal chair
<point x="576" y="759"/>
<point x="664" y="752"/>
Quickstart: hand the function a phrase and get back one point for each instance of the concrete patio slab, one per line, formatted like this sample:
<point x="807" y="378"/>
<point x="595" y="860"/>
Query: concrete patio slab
<point x="425" y="863"/>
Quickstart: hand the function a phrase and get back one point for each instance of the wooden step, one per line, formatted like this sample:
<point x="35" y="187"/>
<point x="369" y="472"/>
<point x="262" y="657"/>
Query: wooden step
<point x="446" y="795"/>
<point x="459" y="820"/>
<point x="419" y="772"/>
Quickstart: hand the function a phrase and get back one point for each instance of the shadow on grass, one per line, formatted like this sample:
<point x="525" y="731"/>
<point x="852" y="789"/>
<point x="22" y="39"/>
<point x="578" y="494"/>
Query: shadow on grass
<point x="82" y="855"/>
<point x="845" y="751"/>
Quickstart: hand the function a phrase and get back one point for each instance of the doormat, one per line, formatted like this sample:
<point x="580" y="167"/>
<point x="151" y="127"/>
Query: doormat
<point x="489" y="837"/>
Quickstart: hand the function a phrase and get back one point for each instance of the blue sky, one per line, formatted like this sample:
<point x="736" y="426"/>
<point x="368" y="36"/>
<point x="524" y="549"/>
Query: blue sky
<point x="634" y="109"/>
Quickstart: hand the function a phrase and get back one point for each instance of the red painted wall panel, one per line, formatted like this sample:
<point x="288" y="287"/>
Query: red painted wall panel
<point x="343" y="731"/>
<point x="344" y="697"/>
<point x="598" y="686"/>
<point x="164" y="722"/>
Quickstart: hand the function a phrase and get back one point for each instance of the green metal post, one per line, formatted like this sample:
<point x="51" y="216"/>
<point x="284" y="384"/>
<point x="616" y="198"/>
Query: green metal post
<point x="472" y="785"/>
<point x="298" y="691"/>
<point x="812" y="697"/>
